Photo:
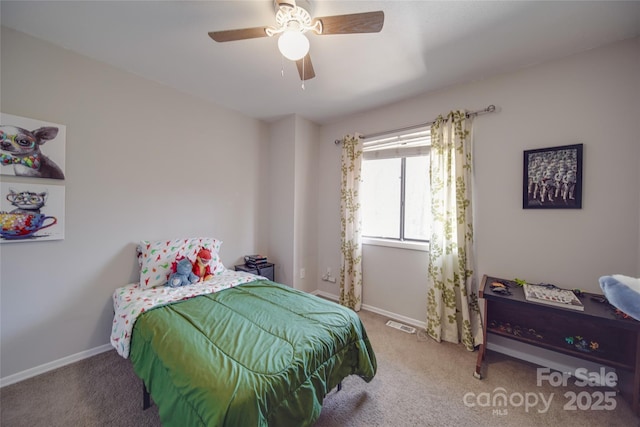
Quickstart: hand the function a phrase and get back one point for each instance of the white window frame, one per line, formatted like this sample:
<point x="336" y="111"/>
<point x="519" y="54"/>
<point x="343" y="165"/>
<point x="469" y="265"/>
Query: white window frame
<point x="402" y="144"/>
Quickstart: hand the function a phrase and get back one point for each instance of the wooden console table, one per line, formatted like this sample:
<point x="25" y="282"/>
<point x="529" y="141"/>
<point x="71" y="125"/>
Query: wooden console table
<point x="617" y="339"/>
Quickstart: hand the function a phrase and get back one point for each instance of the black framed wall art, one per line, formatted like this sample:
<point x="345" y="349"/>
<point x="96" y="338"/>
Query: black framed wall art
<point x="552" y="178"/>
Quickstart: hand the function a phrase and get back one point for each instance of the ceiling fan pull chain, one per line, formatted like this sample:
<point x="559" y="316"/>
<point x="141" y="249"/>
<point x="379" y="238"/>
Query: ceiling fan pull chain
<point x="303" y="73"/>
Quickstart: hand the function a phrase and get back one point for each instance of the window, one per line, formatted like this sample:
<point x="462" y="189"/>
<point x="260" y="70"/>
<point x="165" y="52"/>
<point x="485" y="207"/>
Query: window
<point x="395" y="195"/>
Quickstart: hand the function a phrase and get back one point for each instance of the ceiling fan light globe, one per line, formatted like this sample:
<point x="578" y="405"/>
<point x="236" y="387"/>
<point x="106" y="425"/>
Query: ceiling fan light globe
<point x="293" y="45"/>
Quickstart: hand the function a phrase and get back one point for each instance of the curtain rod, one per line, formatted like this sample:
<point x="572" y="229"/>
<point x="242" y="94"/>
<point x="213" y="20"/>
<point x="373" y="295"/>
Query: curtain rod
<point x="490" y="109"/>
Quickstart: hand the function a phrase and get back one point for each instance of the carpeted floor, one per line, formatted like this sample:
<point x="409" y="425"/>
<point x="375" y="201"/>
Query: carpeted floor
<point x="419" y="383"/>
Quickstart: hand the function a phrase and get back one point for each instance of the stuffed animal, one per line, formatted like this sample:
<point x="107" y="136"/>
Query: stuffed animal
<point x="183" y="274"/>
<point x="623" y="292"/>
<point x="201" y="267"/>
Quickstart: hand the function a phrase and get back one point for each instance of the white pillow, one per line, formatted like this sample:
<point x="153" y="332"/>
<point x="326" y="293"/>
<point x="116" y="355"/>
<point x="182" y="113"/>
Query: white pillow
<point x="156" y="257"/>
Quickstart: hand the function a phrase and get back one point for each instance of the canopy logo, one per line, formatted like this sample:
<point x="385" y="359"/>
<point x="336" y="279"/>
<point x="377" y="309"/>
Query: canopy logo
<point x="500" y="400"/>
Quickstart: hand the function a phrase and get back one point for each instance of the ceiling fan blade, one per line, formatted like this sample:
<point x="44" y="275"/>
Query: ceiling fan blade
<point x="367" y="22"/>
<point x="241" y="34"/>
<point x="305" y="72"/>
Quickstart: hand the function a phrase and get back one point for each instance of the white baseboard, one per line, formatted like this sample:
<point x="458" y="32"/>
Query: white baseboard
<point x="404" y="319"/>
<point x="20" y="376"/>
<point x="326" y="295"/>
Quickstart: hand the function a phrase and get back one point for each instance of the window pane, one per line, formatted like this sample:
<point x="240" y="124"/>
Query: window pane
<point x="380" y="198"/>
<point x="417" y="214"/>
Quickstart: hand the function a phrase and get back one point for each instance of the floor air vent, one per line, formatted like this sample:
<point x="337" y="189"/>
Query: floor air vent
<point x="402" y="327"/>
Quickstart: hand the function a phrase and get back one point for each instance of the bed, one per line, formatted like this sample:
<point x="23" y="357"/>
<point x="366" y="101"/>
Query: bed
<point x="238" y="350"/>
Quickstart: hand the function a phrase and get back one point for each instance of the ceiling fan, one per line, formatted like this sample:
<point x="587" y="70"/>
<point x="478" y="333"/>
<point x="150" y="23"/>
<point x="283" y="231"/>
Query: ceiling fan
<point x="293" y="21"/>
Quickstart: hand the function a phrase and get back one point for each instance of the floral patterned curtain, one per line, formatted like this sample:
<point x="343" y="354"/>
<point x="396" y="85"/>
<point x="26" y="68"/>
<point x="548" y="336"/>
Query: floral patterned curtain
<point x="453" y="313"/>
<point x="351" y="242"/>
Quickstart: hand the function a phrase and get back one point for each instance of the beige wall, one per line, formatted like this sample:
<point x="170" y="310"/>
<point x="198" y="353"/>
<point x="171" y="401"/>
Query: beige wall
<point x="591" y="98"/>
<point x="305" y="217"/>
<point x="281" y="165"/>
<point x="142" y="162"/>
<point x="292" y="188"/>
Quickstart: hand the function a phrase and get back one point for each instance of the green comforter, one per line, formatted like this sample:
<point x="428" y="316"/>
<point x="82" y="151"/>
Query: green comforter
<point x="254" y="355"/>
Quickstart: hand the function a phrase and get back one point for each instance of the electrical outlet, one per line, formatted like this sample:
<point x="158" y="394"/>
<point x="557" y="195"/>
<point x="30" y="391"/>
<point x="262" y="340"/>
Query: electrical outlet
<point x="327" y="277"/>
<point x="302" y="273"/>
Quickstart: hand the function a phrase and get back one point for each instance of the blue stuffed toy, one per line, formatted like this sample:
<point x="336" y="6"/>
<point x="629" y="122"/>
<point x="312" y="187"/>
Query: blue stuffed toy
<point x="183" y="274"/>
<point x="623" y="293"/>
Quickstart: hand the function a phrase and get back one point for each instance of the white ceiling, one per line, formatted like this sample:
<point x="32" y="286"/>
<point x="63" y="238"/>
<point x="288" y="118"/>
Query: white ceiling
<point x="423" y="46"/>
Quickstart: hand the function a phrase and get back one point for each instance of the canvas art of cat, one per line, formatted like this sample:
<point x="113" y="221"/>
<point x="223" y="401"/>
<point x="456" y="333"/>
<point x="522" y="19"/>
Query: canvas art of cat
<point x="27" y="201"/>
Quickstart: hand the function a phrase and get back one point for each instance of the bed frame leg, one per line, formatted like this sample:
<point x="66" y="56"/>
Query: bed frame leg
<point x="146" y="399"/>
